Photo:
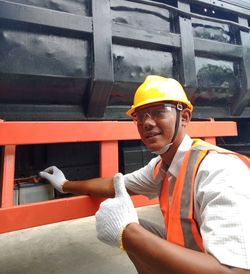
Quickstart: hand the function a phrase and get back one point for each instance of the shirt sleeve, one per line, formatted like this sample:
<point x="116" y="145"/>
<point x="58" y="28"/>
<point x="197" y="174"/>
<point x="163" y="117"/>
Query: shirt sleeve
<point x="222" y="207"/>
<point x="143" y="182"/>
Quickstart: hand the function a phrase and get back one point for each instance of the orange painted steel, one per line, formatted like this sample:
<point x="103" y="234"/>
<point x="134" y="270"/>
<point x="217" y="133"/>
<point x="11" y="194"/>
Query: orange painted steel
<point x="107" y="133"/>
<point x="63" y="132"/>
<point x="21" y="133"/>
<point x="8" y="176"/>
<point x="108" y="151"/>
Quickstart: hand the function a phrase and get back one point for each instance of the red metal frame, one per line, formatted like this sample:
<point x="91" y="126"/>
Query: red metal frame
<point x="107" y="133"/>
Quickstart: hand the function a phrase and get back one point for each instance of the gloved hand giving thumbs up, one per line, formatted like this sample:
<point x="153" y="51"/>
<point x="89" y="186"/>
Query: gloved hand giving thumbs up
<point x="115" y="214"/>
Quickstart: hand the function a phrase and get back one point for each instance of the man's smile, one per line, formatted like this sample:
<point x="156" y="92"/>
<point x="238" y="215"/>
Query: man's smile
<point x="151" y="135"/>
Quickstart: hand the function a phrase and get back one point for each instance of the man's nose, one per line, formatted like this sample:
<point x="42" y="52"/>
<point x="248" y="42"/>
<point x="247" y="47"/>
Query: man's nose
<point x="148" y="120"/>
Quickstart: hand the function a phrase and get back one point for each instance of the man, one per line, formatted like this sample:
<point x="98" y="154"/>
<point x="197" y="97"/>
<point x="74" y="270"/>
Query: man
<point x="204" y="193"/>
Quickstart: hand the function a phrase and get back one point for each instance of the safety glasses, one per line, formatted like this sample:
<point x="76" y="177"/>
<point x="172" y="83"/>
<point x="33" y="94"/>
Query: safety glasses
<point x="156" y="112"/>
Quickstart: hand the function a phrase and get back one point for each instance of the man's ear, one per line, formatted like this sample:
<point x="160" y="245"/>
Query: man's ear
<point x="186" y="116"/>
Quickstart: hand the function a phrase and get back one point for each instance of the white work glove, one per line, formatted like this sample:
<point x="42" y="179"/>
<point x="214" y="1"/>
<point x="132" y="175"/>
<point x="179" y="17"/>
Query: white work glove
<point x="115" y="214"/>
<point x="55" y="176"/>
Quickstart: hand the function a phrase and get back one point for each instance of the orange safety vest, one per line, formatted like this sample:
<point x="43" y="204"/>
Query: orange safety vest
<point x="181" y="226"/>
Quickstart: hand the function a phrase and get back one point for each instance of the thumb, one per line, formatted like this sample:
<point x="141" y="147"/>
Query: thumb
<point x="119" y="185"/>
<point x="45" y="175"/>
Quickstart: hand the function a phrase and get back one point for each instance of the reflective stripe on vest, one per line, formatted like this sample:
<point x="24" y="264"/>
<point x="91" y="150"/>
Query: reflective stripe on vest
<point x="181" y="226"/>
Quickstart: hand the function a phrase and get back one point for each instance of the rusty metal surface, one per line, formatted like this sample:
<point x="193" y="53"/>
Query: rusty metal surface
<point x="52" y="68"/>
<point x="140" y="16"/>
<point x="28" y="180"/>
<point x="28" y="52"/>
<point x="217" y="82"/>
<point x="211" y="30"/>
<point x="80" y="7"/>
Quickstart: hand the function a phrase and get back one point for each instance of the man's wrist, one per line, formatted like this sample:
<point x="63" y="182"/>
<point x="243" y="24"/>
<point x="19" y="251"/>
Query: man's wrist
<point x="127" y="233"/>
<point x="63" y="186"/>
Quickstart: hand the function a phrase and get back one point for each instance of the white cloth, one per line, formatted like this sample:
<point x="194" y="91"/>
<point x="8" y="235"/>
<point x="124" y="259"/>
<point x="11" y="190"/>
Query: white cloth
<point x="221" y="201"/>
<point x="55" y="176"/>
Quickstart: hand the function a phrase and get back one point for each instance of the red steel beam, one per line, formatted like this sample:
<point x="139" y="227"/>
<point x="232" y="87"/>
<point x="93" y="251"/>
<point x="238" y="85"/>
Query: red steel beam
<point x="8" y="176"/>
<point x="63" y="132"/>
<point x="17" y="133"/>
<point x="36" y="214"/>
<point x="109" y="158"/>
<point x="108" y="133"/>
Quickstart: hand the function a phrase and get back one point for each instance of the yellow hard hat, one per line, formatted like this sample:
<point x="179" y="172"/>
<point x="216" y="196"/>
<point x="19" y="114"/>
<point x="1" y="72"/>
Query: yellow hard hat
<point x="159" y="89"/>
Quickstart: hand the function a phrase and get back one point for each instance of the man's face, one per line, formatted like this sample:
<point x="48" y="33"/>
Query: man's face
<point x="156" y="125"/>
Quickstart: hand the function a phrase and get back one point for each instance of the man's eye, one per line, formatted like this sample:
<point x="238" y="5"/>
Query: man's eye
<point x="158" y="112"/>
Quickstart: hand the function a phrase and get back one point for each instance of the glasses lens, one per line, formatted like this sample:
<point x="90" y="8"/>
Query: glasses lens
<point x="155" y="112"/>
